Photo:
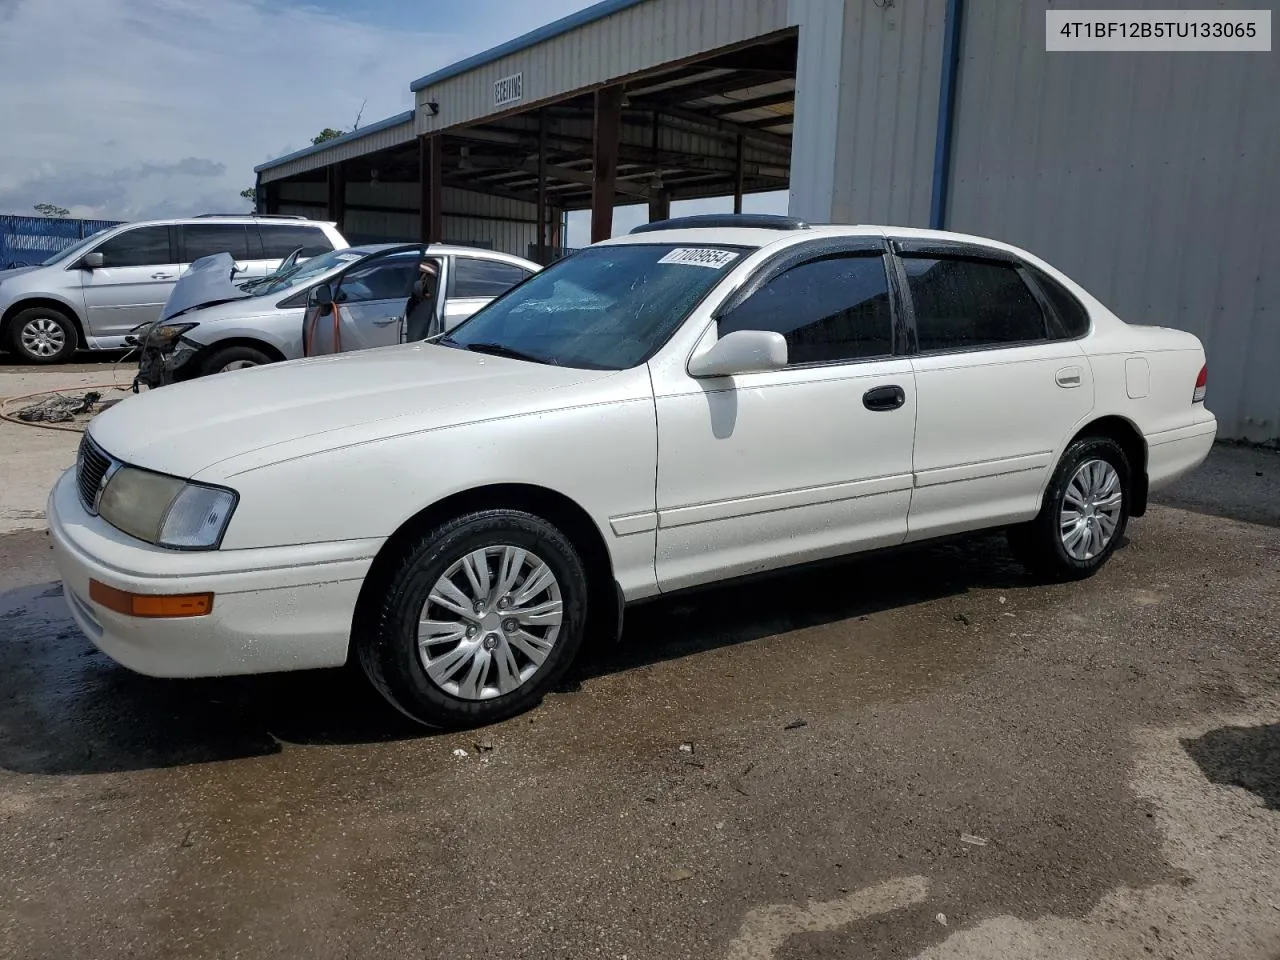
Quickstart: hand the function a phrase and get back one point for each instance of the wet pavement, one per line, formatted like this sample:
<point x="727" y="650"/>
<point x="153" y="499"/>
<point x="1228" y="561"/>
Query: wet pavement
<point x="916" y="754"/>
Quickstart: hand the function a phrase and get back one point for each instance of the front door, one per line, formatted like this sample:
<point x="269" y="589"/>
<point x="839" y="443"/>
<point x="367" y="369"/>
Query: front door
<point x="372" y="299"/>
<point x="1000" y="394"/>
<point x="764" y="470"/>
<point x="140" y="267"/>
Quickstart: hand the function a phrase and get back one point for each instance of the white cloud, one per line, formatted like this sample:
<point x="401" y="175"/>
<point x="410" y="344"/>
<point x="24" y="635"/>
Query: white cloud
<point x="132" y="108"/>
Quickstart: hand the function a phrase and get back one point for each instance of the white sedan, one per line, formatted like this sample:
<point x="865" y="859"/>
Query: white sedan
<point x="711" y="399"/>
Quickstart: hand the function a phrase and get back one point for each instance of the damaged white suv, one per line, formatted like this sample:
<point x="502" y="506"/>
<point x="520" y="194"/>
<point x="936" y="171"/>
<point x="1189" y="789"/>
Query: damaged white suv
<point x="698" y="401"/>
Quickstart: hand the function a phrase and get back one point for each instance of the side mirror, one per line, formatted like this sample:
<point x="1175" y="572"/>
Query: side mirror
<point x="322" y="297"/>
<point x="92" y="261"/>
<point x="743" y="351"/>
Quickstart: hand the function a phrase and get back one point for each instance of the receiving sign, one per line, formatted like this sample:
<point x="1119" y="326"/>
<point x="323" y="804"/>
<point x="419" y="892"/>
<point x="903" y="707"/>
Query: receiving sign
<point x="508" y="89"/>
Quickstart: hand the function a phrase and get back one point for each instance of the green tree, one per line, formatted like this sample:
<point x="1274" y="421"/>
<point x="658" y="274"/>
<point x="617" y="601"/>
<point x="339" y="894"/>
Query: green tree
<point x="51" y="210"/>
<point x="328" y="133"/>
<point x="249" y="193"/>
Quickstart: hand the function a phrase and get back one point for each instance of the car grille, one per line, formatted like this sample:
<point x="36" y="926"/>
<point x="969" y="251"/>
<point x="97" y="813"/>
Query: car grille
<point x="92" y="464"/>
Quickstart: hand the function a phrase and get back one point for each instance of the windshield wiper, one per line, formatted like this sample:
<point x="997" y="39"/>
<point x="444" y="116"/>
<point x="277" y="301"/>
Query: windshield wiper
<point x="502" y="350"/>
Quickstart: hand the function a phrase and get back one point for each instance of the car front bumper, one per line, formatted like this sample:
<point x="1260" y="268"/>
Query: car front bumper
<point x="274" y="609"/>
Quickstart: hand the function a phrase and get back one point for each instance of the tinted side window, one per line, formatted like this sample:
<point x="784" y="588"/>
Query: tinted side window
<point x="390" y="278"/>
<point x="204" y="239"/>
<point x="836" y="308"/>
<point x="281" y="239"/>
<point x="143" y="247"/>
<point x="962" y="304"/>
<point x="473" y="277"/>
<point x="1071" y="319"/>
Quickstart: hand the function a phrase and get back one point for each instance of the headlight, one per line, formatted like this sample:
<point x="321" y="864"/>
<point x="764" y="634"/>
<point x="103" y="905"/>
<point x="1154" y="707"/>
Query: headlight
<point x="164" y="334"/>
<point x="165" y="510"/>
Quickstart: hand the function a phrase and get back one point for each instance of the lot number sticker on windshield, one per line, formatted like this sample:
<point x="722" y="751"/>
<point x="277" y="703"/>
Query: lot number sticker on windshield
<point x="701" y="257"/>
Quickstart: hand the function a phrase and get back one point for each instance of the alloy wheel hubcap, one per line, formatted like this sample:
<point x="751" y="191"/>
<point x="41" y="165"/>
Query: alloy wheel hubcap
<point x="237" y="365"/>
<point x="489" y="622"/>
<point x="1091" y="508"/>
<point x="43" y="337"/>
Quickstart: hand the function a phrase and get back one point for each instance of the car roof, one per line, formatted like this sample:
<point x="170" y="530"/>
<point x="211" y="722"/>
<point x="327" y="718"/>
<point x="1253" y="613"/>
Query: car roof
<point x="756" y="237"/>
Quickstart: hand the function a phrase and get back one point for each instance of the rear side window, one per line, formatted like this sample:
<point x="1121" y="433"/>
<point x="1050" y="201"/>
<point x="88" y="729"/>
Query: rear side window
<point x="204" y="239"/>
<point x="1070" y="319"/>
<point x="473" y="277"/>
<point x="141" y="247"/>
<point x="963" y="304"/>
<point x="281" y="239"/>
<point x="831" y="309"/>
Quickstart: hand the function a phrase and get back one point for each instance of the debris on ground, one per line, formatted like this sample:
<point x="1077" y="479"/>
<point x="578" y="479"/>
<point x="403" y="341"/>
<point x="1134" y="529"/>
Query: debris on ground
<point x="679" y="874"/>
<point x="941" y="918"/>
<point x="796" y="724"/>
<point x="961" y="618"/>
<point x="59" y="408"/>
<point x="459" y="752"/>
<point x="686" y="748"/>
<point x="972" y="840"/>
<point x="1003" y="599"/>
<point x="483" y="746"/>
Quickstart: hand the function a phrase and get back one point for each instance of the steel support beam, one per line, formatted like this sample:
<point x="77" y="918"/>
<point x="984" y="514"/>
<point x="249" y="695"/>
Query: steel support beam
<point x="608" y="123"/>
<point x="336" y="180"/>
<point x="541" y="245"/>
<point x="738" y="177"/>
<point x="430" y="184"/>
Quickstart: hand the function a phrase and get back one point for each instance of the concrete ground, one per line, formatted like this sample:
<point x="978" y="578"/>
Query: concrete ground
<point x="915" y="755"/>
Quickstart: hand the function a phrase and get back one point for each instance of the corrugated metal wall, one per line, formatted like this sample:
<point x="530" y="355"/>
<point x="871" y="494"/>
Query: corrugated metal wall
<point x="866" y="110"/>
<point x="473" y="218"/>
<point x="1148" y="177"/>
<point x="627" y="42"/>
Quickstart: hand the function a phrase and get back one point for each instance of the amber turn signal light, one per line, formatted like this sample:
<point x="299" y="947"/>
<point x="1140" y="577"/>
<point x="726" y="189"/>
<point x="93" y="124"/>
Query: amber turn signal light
<point x="150" y="604"/>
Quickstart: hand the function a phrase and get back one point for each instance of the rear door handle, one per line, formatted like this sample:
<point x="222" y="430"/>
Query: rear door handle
<point x="162" y="276"/>
<point x="1069" y="377"/>
<point x="884" y="398"/>
<point x="386" y="320"/>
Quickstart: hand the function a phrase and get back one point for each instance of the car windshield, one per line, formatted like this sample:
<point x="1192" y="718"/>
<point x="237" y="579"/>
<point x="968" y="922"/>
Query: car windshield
<point x="605" y="308"/>
<point x="303" y="271"/>
<point x="71" y="251"/>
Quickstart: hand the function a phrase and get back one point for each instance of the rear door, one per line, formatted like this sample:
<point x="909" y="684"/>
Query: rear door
<point x="999" y="389"/>
<point x="203" y="239"/>
<point x="140" y="267"/>
<point x="473" y="282"/>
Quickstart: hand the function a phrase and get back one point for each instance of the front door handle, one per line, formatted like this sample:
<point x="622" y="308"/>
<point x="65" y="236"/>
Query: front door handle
<point x="386" y="320"/>
<point x="162" y="276"/>
<point x="1069" y="377"/>
<point x="884" y="398"/>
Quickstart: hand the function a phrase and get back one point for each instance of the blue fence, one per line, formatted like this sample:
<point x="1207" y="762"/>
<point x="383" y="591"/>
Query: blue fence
<point x="25" y="241"/>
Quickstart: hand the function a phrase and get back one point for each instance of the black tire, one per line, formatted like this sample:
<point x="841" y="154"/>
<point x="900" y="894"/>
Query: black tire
<point x="1039" y="545"/>
<point x="387" y="641"/>
<point x="218" y="359"/>
<point x="28" y="320"/>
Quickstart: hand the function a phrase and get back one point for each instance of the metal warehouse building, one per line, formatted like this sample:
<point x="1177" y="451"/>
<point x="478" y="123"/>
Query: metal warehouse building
<point x="1146" y="176"/>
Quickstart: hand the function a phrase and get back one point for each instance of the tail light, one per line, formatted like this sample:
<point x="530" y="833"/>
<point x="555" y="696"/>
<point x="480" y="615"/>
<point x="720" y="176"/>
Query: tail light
<point x="1202" y="382"/>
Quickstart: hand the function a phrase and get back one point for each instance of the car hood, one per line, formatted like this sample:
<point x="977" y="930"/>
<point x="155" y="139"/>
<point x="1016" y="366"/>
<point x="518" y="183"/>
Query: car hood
<point x="210" y="280"/>
<point x="17" y="271"/>
<point x="221" y="425"/>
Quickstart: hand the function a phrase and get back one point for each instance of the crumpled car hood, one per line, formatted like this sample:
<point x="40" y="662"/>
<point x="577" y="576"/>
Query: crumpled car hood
<point x="210" y="279"/>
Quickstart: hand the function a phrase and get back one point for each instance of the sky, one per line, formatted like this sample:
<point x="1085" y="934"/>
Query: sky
<point x="131" y="109"/>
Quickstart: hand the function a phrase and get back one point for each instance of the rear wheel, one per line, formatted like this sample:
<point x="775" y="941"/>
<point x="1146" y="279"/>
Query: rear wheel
<point x="43" y="335"/>
<point x="477" y="620"/>
<point x="238" y="357"/>
<point x="1084" y="514"/>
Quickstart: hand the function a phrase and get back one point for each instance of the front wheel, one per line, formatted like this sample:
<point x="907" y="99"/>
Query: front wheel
<point x="43" y="335"/>
<point x="1084" y="514"/>
<point x="477" y="620"/>
<point x="238" y="357"/>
